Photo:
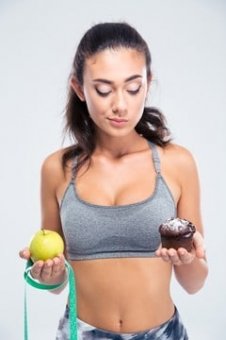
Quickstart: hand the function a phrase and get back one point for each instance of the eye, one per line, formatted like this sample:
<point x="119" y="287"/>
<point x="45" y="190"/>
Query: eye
<point x="103" y="91"/>
<point x="134" y="89"/>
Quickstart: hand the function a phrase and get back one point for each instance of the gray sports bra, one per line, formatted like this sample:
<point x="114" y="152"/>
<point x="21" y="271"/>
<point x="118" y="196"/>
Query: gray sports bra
<point x="94" y="231"/>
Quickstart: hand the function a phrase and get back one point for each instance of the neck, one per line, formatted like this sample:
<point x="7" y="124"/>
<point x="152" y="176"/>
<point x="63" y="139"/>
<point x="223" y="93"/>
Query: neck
<point x="117" y="147"/>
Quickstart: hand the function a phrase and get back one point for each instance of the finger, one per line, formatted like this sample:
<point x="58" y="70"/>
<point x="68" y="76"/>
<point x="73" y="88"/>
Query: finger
<point x="46" y="271"/>
<point x="173" y="255"/>
<point x="158" y="253"/>
<point x="184" y="256"/>
<point x="25" y="253"/>
<point x="61" y="257"/>
<point x="58" y="266"/>
<point x="36" y="269"/>
<point x="164" y="254"/>
<point x="199" y="245"/>
<point x="62" y="261"/>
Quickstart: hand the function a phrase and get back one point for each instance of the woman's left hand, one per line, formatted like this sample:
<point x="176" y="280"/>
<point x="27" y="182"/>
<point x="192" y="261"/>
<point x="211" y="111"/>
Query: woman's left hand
<point x="181" y="255"/>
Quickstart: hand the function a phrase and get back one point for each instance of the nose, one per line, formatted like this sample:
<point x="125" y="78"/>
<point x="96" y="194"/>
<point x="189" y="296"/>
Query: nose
<point x="119" y="104"/>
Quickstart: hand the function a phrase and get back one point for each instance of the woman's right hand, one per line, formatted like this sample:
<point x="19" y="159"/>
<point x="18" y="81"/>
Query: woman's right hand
<point x="51" y="271"/>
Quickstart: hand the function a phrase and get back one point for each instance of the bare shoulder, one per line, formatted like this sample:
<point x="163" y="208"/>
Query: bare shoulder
<point x="179" y="163"/>
<point x="179" y="156"/>
<point x="53" y="162"/>
<point x="52" y="167"/>
<point x="52" y="178"/>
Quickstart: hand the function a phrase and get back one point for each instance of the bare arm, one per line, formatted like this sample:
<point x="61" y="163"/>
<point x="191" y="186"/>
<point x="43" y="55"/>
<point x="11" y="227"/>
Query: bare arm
<point x="53" y="270"/>
<point x="190" y="268"/>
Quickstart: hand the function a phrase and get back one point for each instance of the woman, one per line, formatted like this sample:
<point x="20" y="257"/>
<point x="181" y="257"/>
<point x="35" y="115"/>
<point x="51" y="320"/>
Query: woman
<point x="108" y="193"/>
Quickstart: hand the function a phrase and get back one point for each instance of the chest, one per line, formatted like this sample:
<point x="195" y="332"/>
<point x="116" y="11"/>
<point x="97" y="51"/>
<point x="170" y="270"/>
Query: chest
<point x="117" y="183"/>
<point x="94" y="231"/>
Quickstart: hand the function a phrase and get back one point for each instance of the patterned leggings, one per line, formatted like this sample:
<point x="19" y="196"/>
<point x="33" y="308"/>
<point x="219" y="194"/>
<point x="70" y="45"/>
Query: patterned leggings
<point x="173" y="329"/>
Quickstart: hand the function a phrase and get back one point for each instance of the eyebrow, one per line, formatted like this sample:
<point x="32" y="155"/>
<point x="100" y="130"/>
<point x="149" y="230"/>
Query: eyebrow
<point x="105" y="81"/>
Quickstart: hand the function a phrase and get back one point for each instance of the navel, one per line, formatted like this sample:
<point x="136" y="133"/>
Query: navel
<point x="120" y="324"/>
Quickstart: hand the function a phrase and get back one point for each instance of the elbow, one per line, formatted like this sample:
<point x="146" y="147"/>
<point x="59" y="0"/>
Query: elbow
<point x="195" y="287"/>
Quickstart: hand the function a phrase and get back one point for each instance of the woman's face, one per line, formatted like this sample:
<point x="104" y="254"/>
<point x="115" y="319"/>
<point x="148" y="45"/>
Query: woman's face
<point x="115" y="88"/>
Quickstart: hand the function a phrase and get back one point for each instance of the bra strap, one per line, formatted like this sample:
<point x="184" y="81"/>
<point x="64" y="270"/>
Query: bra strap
<point x="74" y="161"/>
<point x="155" y="158"/>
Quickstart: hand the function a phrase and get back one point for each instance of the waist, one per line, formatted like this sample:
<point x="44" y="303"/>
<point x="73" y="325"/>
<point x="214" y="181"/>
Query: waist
<point x="123" y="294"/>
<point x="135" y="318"/>
<point x="159" y="330"/>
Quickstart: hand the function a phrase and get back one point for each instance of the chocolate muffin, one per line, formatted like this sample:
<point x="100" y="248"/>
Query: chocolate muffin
<point x="176" y="233"/>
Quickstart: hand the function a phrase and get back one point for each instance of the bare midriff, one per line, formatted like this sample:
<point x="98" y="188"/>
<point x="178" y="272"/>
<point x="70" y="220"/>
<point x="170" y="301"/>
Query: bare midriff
<point x="123" y="295"/>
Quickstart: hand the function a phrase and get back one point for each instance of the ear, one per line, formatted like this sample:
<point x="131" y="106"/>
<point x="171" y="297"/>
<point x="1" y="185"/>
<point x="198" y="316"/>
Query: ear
<point x="149" y="83"/>
<point x="77" y="88"/>
<point x="148" y="89"/>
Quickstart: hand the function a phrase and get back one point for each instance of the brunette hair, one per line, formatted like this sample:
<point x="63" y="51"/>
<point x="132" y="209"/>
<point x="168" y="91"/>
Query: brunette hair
<point x="79" y="125"/>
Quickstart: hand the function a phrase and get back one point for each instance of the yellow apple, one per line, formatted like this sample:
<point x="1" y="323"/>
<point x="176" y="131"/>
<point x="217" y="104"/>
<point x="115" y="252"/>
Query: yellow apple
<point x="46" y="244"/>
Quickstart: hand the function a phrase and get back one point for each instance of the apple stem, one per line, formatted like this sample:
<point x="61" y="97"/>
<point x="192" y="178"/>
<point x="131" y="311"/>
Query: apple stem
<point x="43" y="231"/>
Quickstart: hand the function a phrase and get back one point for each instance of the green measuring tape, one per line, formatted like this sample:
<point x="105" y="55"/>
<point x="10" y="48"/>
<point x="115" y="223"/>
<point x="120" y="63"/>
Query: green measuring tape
<point x="72" y="297"/>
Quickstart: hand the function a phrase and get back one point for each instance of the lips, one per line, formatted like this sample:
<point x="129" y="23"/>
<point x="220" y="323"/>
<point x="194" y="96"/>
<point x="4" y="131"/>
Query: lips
<point x="118" y="120"/>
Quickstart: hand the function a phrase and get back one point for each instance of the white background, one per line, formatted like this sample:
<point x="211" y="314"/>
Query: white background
<point x="37" y="44"/>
